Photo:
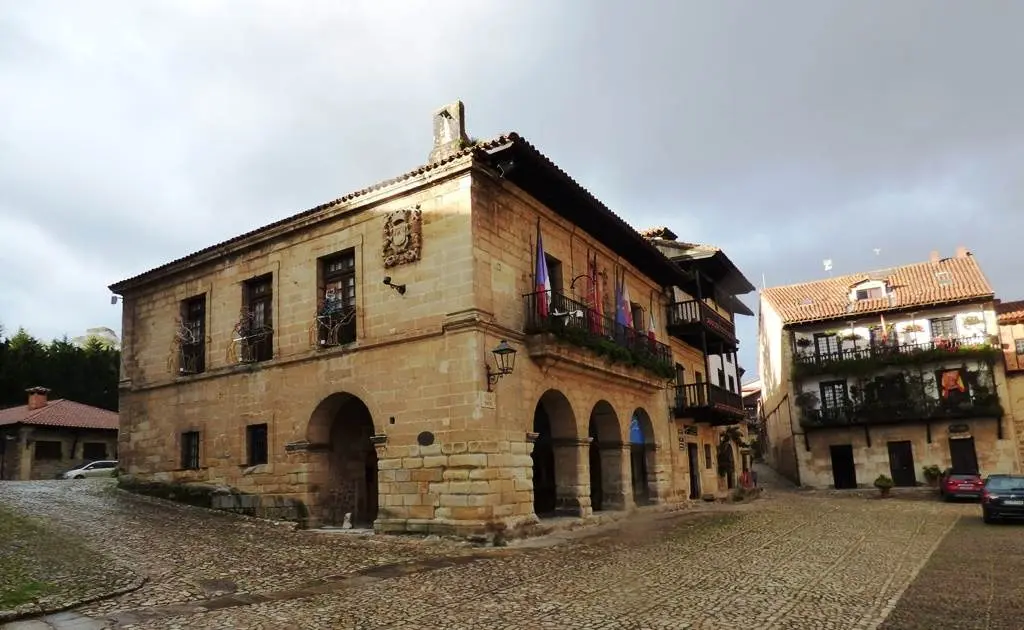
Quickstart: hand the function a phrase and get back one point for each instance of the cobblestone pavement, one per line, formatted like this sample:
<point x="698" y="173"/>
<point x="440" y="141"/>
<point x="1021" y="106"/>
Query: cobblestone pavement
<point x="790" y="560"/>
<point x="973" y="581"/>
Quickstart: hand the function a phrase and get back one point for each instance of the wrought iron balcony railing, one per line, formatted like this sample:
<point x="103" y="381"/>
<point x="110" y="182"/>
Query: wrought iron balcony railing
<point x="708" y="403"/>
<point x="811" y="362"/>
<point x="893" y="412"/>
<point x="691" y="316"/>
<point x="582" y="325"/>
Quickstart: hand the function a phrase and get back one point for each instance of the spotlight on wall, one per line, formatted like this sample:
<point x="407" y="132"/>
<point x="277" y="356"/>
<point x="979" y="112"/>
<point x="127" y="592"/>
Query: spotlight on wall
<point x="115" y="298"/>
<point x="397" y="287"/>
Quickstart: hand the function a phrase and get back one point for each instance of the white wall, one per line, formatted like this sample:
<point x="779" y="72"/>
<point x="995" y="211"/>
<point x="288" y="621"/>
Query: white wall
<point x="769" y="356"/>
<point x="716" y="361"/>
<point x="967" y="333"/>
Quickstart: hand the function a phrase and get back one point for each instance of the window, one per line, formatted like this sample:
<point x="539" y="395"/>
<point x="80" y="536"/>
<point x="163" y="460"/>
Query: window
<point x="721" y="378"/>
<point x="890" y="389"/>
<point x="193" y="336"/>
<point x="732" y="384"/>
<point x="879" y="337"/>
<point x="256" y="439"/>
<point x="833" y="394"/>
<point x="943" y="327"/>
<point x="827" y="345"/>
<point x="91" y="451"/>
<point x="554" y="273"/>
<point x="190" y="450"/>
<point x="870" y="294"/>
<point x="698" y="377"/>
<point x="258" y="330"/>
<point x="637" y="312"/>
<point x="336" y="318"/>
<point x="707" y="456"/>
<point x="49" y="449"/>
<point x="680" y="374"/>
<point x="1019" y="343"/>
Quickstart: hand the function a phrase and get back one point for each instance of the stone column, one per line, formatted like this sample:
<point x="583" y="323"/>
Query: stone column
<point x="615" y="477"/>
<point x="658" y="482"/>
<point x="572" y="476"/>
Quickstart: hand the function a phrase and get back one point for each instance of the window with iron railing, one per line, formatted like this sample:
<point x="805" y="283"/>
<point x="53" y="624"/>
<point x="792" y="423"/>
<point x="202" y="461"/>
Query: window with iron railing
<point x="257" y="331"/>
<point x="192" y="336"/>
<point x="336" y="313"/>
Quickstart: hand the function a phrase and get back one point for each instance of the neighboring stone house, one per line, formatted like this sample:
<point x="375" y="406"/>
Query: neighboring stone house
<point x="1011" y="332"/>
<point x="453" y="350"/>
<point x="44" y="437"/>
<point x="884" y="373"/>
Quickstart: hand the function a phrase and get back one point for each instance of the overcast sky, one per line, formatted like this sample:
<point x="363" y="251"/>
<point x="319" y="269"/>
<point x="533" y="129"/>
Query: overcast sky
<point x="132" y="133"/>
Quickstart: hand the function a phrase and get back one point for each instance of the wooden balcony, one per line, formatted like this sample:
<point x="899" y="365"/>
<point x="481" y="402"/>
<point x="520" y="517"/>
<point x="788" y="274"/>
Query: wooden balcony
<point x="709" y="403"/>
<point x="853" y="360"/>
<point x="693" y="321"/>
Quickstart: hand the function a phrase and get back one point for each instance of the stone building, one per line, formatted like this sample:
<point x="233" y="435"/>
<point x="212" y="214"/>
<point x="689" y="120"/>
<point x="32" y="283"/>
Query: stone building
<point x="884" y="373"/>
<point x="44" y="437"/>
<point x="471" y="345"/>
<point x="1011" y="333"/>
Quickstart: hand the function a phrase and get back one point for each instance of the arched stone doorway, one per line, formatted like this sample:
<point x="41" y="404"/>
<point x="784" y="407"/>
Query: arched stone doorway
<point x="606" y="484"/>
<point x="641" y="456"/>
<point x="555" y="456"/>
<point x="345" y="472"/>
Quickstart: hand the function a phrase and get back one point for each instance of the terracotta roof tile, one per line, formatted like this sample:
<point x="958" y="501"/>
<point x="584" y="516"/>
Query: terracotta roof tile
<point x="1010" y="312"/>
<point x="918" y="284"/>
<point x="61" y="413"/>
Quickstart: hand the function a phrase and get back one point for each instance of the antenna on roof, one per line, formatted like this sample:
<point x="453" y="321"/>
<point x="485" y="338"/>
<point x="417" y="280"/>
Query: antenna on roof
<point x="764" y="283"/>
<point x="877" y="251"/>
<point x="827" y="263"/>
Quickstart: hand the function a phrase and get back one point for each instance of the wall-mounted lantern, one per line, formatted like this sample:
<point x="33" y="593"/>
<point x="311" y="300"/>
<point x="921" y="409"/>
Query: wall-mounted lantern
<point x="504" y="363"/>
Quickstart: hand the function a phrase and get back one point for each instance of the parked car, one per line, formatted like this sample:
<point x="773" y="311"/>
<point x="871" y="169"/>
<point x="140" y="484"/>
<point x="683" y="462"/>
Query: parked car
<point x="953" y="485"/>
<point x="104" y="468"/>
<point x="1003" y="497"/>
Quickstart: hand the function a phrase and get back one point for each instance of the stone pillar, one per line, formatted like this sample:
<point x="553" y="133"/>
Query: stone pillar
<point x="658" y="470"/>
<point x="25" y="455"/>
<point x="617" y="491"/>
<point x="572" y="476"/>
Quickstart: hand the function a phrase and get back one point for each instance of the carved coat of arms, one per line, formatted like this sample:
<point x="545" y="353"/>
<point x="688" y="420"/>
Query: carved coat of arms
<point x="403" y="237"/>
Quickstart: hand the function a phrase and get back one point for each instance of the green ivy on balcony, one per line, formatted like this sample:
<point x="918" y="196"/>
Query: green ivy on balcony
<point x="868" y="361"/>
<point x="612" y="352"/>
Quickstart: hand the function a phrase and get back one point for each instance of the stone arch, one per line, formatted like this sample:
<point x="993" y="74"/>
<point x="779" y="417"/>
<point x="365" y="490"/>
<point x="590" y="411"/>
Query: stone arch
<point x="642" y="460"/>
<point x="555" y="455"/>
<point x="607" y="490"/>
<point x="343" y="460"/>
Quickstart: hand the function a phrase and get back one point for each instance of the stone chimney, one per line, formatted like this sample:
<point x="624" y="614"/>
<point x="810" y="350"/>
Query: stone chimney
<point x="961" y="252"/>
<point x="36" y="397"/>
<point x="934" y="257"/>
<point x="449" y="131"/>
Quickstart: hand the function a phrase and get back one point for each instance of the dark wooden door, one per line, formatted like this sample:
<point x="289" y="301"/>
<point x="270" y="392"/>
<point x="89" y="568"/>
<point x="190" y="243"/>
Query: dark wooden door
<point x="962" y="456"/>
<point x="901" y="463"/>
<point x="844" y="473"/>
<point x="693" y="456"/>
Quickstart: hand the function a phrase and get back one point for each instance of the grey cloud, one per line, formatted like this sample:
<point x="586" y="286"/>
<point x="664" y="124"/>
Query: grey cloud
<point x="786" y="132"/>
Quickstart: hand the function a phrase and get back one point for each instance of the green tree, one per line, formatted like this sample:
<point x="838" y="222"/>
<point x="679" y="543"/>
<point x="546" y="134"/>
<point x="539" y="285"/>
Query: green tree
<point x="86" y="374"/>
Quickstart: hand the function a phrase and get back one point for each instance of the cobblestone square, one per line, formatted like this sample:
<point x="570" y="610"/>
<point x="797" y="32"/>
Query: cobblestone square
<point x="790" y="560"/>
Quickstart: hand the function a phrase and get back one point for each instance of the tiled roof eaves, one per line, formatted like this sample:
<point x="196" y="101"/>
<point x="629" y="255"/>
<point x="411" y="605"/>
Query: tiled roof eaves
<point x="900" y="308"/>
<point x="669" y="268"/>
<point x="268" y="231"/>
<point x="1010" y="312"/>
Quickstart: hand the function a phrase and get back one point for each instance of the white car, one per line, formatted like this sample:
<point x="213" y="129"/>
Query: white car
<point x="105" y="468"/>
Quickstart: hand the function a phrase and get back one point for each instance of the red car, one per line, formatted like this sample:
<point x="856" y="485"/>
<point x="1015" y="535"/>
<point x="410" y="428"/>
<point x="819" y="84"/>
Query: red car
<point x="961" y="486"/>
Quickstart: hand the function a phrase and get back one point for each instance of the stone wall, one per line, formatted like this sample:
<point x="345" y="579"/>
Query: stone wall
<point x="452" y="456"/>
<point x="994" y="455"/>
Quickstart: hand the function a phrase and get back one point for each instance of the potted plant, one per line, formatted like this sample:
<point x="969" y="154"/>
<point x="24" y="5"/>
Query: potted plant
<point x="884" y="484"/>
<point x="932" y="474"/>
<point x="913" y="328"/>
<point x="803" y="343"/>
<point x="972" y="320"/>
